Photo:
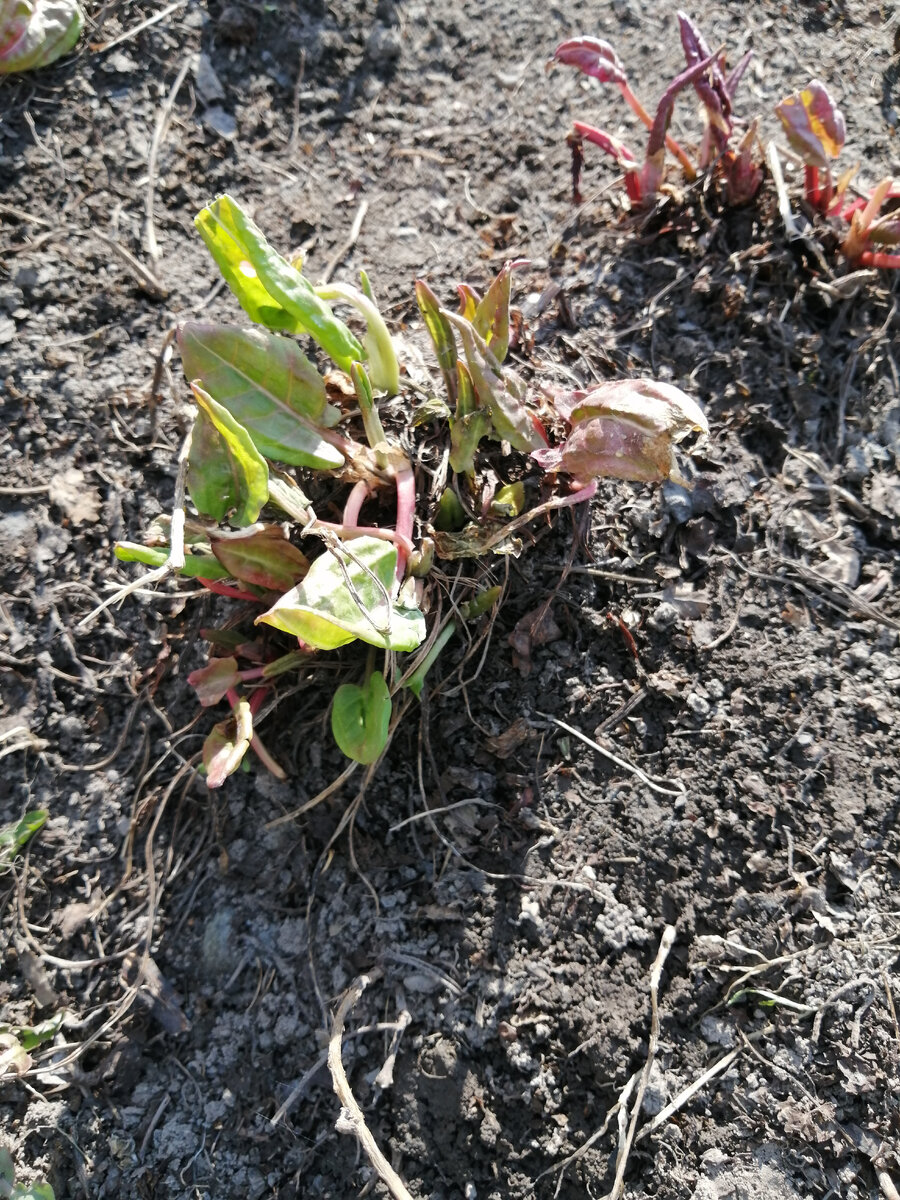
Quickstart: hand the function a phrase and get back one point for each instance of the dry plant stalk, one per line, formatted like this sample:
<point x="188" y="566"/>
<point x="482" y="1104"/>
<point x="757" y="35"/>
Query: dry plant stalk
<point x="351" y="1119"/>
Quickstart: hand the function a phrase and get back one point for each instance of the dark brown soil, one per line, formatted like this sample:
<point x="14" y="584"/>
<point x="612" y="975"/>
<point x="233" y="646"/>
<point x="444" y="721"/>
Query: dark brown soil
<point x="519" y="926"/>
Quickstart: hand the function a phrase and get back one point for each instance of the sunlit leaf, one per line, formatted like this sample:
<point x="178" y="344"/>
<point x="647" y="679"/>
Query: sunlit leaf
<point x="346" y="595"/>
<point x="468" y="301"/>
<point x="264" y="558"/>
<point x="14" y="1058"/>
<point x="813" y="123"/>
<point x="34" y="33"/>
<point x="491" y="318"/>
<point x="361" y="718"/>
<point x="269" y="386"/>
<point x="624" y="429"/>
<point x="254" y="271"/>
<point x="32" y="1036"/>
<point x="196" y="566"/>
<point x="227" y="476"/>
<point x="499" y="394"/>
<point x="441" y="333"/>
<point x="509" y="500"/>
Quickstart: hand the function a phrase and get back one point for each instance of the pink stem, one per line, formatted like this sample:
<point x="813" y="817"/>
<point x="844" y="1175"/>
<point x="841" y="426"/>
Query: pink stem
<point x="641" y="113"/>
<point x="355" y="501"/>
<point x="224" y="589"/>
<point x="406" y="509"/>
<point x="873" y="258"/>
<point x="352" y="531"/>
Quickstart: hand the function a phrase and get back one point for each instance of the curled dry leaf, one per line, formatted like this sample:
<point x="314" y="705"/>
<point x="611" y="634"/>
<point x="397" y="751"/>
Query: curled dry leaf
<point x="624" y="429"/>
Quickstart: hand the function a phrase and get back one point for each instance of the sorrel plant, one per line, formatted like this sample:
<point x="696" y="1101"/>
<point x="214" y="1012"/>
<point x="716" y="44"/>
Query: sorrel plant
<point x="271" y="429"/>
<point x="725" y="145"/>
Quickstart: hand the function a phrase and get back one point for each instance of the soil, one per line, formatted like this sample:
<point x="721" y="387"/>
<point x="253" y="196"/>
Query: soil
<point x="732" y="648"/>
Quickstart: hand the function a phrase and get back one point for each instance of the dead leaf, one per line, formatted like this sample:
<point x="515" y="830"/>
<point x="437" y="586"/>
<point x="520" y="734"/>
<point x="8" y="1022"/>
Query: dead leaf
<point x="507" y="742"/>
<point x="80" y="503"/>
<point x="536" y="628"/>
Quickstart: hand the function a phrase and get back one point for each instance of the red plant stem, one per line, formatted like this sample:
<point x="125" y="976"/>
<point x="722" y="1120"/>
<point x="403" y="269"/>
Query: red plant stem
<point x="874" y="258"/>
<point x="811" y="185"/>
<point x="406" y="509"/>
<point x="225" y="589"/>
<point x="355" y="501"/>
<point x="641" y="113"/>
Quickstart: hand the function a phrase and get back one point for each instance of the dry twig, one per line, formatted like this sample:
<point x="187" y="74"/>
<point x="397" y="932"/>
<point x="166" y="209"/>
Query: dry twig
<point x="351" y="1119"/>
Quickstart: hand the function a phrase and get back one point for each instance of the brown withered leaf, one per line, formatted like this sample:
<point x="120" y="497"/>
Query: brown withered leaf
<point x="536" y="628"/>
<point x="507" y="742"/>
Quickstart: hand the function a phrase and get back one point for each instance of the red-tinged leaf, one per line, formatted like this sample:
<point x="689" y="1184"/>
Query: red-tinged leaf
<point x="591" y="56"/>
<point x="656" y="143"/>
<point x="711" y="87"/>
<point x="609" y="144"/>
<point x="265" y="558"/>
<point x="226" y="745"/>
<point x="813" y="123"/>
<point x="491" y="318"/>
<point x="34" y="34"/>
<point x="468" y="301"/>
<point x="624" y="429"/>
<point x="742" y="175"/>
<point x="212" y="682"/>
<point x="499" y="393"/>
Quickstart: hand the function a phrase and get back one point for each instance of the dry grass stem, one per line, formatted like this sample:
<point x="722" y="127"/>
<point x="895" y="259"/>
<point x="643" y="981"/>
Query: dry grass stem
<point x="351" y="1119"/>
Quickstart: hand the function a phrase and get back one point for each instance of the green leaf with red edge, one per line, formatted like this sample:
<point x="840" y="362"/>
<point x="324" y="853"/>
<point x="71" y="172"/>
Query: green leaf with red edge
<point x="491" y="317"/>
<point x="269" y="386"/>
<point x="264" y="558"/>
<point x="361" y="718"/>
<point x="468" y="301"/>
<point x="499" y="393"/>
<point x="196" y="566"/>
<point x="227" y="476"/>
<point x="441" y="333"/>
<point x="214" y="681"/>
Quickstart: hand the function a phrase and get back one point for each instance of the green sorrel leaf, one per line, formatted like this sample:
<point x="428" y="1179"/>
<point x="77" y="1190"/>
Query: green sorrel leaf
<point x="267" y="384"/>
<point x="361" y="717"/>
<point x="227" y="475"/>
<point x="347" y="595"/>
